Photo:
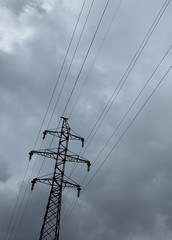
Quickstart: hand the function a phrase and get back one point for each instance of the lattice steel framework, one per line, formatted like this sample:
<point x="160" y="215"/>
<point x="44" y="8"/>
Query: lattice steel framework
<point x="57" y="180"/>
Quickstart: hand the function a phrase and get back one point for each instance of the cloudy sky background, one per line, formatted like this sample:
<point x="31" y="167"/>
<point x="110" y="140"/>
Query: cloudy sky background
<point x="130" y="197"/>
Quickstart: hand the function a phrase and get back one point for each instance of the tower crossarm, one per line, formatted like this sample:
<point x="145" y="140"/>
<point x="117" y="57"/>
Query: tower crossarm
<point x="70" y="135"/>
<point x="76" y="158"/>
<point x="50" y="153"/>
<point x="72" y="185"/>
<point x="55" y="133"/>
<point x="76" y="137"/>
<point x="47" y="181"/>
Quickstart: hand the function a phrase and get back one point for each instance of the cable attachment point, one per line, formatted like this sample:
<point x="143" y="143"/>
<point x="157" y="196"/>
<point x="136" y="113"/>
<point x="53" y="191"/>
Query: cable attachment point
<point x="88" y="165"/>
<point x="82" y="139"/>
<point x="79" y="190"/>
<point x="44" y="134"/>
<point x="30" y="155"/>
<point x="33" y="183"/>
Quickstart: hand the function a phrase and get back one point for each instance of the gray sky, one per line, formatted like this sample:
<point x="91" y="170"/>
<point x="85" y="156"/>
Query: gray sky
<point x="130" y="197"/>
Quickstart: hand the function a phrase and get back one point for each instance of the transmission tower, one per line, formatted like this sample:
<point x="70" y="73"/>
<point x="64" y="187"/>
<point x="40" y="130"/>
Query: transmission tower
<point x="57" y="180"/>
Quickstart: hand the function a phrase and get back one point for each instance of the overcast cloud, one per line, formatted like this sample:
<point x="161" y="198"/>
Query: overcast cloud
<point x="130" y="198"/>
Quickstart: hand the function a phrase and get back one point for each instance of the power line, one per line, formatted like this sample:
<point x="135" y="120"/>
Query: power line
<point x="67" y="73"/>
<point x="101" y="165"/>
<point x="16" y="202"/>
<point x="22" y="216"/>
<point x="105" y="36"/>
<point x="126" y="73"/>
<point x="27" y="187"/>
<point x="134" y="60"/>
<point x="22" y="200"/>
<point x="61" y="69"/>
<point x="69" y="212"/>
<point x="74" y="166"/>
<point x="154" y="90"/>
<point x="134" y="102"/>
<point x="112" y="20"/>
<point x="73" y="34"/>
<point x="125" y="115"/>
<point x="65" y="109"/>
<point x="124" y="77"/>
<point x="107" y="3"/>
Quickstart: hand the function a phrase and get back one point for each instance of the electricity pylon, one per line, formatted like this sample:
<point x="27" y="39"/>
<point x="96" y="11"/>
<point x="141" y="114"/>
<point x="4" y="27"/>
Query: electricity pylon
<point x="57" y="180"/>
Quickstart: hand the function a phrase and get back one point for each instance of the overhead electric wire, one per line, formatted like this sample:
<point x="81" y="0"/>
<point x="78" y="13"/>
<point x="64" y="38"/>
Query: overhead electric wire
<point x="69" y="99"/>
<point x="97" y="55"/>
<point x="119" y="139"/>
<point x="106" y="33"/>
<point x="28" y="200"/>
<point x="70" y="209"/>
<point x="100" y="47"/>
<point x="151" y="29"/>
<point x="125" y="115"/>
<point x="61" y="69"/>
<point x="69" y="68"/>
<point x="43" y="162"/>
<point x="126" y="74"/>
<point x="76" y="81"/>
<point x="132" y="105"/>
<point x="135" y="117"/>
<point x="16" y="202"/>
<point x="51" y="98"/>
<point x="22" y="200"/>
<point x="22" y="216"/>
<point x="68" y="71"/>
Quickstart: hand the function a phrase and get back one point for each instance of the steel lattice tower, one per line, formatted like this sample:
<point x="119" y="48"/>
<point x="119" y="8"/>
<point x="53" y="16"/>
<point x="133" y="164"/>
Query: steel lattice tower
<point x="57" y="180"/>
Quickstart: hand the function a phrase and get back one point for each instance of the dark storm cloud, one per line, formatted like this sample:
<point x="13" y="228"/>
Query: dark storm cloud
<point x="131" y="197"/>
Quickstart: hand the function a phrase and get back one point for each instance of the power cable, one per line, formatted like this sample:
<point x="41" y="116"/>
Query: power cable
<point x="27" y="186"/>
<point x="96" y="55"/>
<point x="101" y="165"/>
<point x="134" y="102"/>
<point x="93" y="63"/>
<point x="70" y="209"/>
<point x="15" y="206"/>
<point x="43" y="162"/>
<point x="74" y="166"/>
<point x="16" y="202"/>
<point x="130" y="124"/>
<point x="126" y="74"/>
<point x="22" y="200"/>
<point x="125" y="115"/>
<point x="154" y="24"/>
<point x="113" y="18"/>
<point x="68" y="73"/>
<point x="61" y="69"/>
<point x="128" y="127"/>
<point x="22" y="216"/>
<point x="107" y="3"/>
<point x="69" y="68"/>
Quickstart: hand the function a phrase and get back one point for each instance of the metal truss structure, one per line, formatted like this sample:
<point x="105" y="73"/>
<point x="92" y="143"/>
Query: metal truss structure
<point x="57" y="180"/>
